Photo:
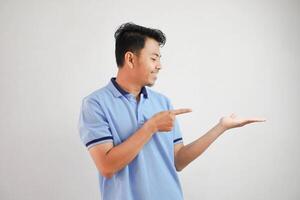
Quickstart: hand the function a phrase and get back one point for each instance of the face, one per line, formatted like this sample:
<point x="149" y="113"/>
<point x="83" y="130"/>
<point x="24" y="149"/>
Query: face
<point x="147" y="63"/>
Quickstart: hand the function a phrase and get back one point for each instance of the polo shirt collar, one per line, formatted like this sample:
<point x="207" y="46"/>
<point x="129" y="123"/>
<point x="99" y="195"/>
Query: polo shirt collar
<point x="123" y="92"/>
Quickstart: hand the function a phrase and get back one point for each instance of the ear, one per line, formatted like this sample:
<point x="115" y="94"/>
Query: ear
<point x="129" y="59"/>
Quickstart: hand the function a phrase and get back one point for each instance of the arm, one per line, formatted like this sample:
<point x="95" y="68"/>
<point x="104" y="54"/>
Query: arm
<point x="109" y="159"/>
<point x="185" y="154"/>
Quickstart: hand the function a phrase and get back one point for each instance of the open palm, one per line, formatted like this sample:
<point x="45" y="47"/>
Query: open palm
<point x="233" y="121"/>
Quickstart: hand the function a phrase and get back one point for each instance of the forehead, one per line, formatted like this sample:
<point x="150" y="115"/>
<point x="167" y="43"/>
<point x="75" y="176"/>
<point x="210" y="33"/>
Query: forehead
<point x="151" y="47"/>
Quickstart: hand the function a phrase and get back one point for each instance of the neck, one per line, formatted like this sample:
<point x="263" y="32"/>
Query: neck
<point x="127" y="84"/>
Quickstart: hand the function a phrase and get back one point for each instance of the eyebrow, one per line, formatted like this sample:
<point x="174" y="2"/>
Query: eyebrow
<point x="156" y="54"/>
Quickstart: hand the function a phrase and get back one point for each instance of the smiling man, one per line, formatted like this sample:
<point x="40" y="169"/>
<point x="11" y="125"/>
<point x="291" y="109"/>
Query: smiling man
<point x="131" y="131"/>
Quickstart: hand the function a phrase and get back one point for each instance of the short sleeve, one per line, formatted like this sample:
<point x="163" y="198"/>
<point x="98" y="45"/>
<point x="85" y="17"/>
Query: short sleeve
<point x="93" y="126"/>
<point x="177" y="136"/>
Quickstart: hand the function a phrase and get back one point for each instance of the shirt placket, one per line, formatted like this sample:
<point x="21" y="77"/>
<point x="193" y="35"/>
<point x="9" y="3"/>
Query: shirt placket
<point x="137" y="107"/>
<point x="139" y="112"/>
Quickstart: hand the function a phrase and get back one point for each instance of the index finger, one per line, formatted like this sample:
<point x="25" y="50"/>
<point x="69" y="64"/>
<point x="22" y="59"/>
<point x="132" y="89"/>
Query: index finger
<point x="181" y="111"/>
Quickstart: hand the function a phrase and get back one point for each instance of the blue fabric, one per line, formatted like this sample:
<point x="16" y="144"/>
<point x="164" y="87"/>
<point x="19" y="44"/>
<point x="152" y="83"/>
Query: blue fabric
<point x="111" y="114"/>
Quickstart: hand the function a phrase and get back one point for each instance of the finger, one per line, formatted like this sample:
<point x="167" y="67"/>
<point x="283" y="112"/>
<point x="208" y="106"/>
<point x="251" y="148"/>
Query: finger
<point x="181" y="111"/>
<point x="256" y="120"/>
<point x="252" y="120"/>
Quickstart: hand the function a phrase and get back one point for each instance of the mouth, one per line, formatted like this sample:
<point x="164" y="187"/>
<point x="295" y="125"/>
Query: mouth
<point x="154" y="75"/>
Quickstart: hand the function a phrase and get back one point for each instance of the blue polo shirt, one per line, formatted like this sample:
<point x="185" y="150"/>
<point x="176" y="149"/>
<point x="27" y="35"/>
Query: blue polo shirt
<point x="111" y="114"/>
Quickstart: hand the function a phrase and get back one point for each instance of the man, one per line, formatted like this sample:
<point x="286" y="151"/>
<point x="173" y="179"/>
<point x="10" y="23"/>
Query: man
<point x="130" y="130"/>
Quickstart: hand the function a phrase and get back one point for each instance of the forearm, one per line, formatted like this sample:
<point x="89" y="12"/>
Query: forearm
<point x="190" y="152"/>
<point x="121" y="155"/>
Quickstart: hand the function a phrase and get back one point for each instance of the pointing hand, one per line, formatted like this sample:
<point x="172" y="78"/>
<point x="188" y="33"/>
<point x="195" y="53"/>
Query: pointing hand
<point x="164" y="121"/>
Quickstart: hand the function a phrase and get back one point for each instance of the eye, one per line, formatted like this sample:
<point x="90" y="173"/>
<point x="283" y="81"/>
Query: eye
<point x="153" y="59"/>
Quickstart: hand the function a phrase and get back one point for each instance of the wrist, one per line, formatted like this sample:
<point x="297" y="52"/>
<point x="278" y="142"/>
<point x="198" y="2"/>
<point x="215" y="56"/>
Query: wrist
<point x="221" y="127"/>
<point x="150" y="126"/>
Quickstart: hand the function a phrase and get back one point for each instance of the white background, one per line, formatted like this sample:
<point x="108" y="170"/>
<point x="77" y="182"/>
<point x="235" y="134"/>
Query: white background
<point x="220" y="57"/>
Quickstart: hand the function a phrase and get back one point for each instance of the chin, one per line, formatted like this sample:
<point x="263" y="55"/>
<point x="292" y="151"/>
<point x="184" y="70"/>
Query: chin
<point x="150" y="84"/>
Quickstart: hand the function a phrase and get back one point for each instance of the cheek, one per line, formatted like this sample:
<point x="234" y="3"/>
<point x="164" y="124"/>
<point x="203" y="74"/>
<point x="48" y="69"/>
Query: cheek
<point x="148" y="68"/>
<point x="151" y="66"/>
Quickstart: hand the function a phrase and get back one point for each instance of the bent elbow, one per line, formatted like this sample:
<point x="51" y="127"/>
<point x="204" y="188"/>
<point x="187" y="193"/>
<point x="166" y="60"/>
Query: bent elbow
<point x="178" y="169"/>
<point x="107" y="173"/>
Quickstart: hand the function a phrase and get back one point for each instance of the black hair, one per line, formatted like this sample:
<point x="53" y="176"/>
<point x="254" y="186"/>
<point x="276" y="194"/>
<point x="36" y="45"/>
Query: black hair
<point x="132" y="37"/>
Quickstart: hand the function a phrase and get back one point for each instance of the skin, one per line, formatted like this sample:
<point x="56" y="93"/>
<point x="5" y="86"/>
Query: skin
<point x="141" y="69"/>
